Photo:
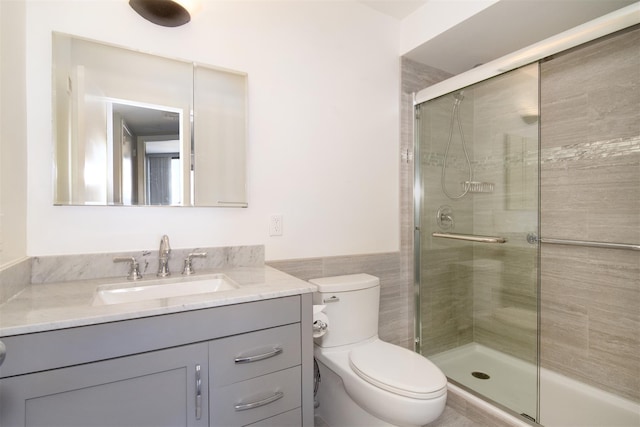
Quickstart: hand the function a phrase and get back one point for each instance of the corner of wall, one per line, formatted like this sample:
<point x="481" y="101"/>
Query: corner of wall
<point x="13" y="152"/>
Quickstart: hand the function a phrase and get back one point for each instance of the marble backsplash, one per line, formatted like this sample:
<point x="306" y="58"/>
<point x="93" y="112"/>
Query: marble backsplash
<point x="82" y="267"/>
<point x="63" y="268"/>
<point x="14" y="277"/>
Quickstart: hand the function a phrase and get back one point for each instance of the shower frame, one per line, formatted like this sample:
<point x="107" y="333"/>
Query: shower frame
<point x="605" y="25"/>
<point x="530" y="383"/>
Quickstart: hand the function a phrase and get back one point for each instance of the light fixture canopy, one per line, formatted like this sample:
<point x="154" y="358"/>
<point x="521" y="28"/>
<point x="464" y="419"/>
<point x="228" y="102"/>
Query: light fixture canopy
<point x="168" y="13"/>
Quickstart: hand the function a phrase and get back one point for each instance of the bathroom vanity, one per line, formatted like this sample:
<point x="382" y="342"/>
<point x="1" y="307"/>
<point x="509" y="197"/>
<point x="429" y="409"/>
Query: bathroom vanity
<point x="234" y="358"/>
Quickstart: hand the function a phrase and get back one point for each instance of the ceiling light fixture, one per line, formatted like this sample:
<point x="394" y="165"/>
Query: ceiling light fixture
<point x="168" y="13"/>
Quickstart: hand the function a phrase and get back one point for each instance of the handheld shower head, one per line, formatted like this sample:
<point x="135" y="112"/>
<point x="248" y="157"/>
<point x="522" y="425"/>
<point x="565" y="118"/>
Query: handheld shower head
<point x="455" y="115"/>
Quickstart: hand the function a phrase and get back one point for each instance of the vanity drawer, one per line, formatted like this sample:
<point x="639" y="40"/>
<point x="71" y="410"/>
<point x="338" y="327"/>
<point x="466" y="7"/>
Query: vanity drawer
<point x="256" y="399"/>
<point x="288" y="419"/>
<point x="250" y="355"/>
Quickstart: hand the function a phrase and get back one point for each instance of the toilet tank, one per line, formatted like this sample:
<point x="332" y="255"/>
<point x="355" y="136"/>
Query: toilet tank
<point x="352" y="303"/>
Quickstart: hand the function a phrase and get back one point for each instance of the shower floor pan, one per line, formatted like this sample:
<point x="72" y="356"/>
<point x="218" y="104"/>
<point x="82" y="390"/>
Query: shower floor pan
<point x="564" y="402"/>
<point x="512" y="382"/>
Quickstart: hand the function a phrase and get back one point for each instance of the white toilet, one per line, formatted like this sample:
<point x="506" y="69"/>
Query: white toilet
<point x="364" y="380"/>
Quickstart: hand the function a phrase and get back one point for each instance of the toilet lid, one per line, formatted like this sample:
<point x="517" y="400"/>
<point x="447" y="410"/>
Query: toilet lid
<point x="397" y="370"/>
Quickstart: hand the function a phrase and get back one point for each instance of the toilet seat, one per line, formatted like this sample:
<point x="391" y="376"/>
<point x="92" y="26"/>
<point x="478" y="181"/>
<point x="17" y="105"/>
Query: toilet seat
<point x="409" y="374"/>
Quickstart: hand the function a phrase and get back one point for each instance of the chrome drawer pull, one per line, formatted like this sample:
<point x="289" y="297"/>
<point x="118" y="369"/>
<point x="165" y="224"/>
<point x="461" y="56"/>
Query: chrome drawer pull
<point x="198" y="393"/>
<point x="244" y="406"/>
<point x="3" y="352"/>
<point x="333" y="298"/>
<point x="248" y="359"/>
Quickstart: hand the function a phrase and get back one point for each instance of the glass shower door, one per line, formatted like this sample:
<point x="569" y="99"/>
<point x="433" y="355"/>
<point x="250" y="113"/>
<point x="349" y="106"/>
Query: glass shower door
<point x="476" y="203"/>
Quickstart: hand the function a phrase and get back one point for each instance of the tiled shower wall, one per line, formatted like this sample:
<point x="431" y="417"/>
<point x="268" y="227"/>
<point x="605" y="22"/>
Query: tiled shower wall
<point x="590" y="190"/>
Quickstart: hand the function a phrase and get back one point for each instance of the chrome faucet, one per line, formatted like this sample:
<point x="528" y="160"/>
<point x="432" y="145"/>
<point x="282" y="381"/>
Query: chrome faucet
<point x="163" y="258"/>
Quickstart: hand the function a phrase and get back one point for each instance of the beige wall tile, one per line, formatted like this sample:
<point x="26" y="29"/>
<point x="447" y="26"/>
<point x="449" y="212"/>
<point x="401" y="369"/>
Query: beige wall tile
<point x="590" y="190"/>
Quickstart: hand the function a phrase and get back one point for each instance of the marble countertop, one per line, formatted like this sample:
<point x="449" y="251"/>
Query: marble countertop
<point x="46" y="307"/>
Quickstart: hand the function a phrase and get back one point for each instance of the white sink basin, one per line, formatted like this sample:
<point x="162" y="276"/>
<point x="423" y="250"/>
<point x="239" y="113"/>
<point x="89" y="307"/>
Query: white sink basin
<point x="157" y="289"/>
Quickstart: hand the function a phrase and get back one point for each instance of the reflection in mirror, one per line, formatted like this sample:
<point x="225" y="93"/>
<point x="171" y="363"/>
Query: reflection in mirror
<point x="146" y="150"/>
<point x="162" y="172"/>
<point x="123" y="129"/>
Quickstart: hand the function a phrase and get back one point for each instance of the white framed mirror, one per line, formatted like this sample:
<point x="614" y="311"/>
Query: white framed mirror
<point x="135" y="129"/>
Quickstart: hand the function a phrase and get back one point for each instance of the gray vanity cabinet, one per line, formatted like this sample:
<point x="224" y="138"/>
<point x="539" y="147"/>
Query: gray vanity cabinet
<point x="156" y="389"/>
<point x="240" y="365"/>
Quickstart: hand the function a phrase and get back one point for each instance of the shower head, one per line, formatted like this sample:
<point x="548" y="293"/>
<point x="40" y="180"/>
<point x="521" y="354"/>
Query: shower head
<point x="459" y="96"/>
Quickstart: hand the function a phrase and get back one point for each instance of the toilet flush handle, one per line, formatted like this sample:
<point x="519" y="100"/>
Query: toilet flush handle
<point x="332" y="298"/>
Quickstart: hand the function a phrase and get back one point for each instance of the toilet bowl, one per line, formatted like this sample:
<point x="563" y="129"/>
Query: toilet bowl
<point x="366" y="381"/>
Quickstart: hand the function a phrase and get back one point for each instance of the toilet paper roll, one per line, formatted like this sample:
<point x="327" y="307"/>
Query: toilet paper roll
<point x="320" y="321"/>
<point x="320" y="325"/>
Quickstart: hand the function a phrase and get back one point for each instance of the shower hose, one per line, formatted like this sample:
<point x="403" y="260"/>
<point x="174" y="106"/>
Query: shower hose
<point x="455" y="116"/>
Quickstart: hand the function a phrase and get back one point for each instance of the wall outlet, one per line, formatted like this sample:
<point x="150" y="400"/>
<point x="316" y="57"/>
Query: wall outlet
<point x="275" y="225"/>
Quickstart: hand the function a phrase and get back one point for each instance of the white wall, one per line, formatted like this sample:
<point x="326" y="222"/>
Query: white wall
<point x="323" y="128"/>
<point x="13" y="153"/>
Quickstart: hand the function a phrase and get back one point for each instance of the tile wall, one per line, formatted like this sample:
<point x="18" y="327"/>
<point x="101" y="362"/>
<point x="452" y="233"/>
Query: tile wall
<point x="590" y="190"/>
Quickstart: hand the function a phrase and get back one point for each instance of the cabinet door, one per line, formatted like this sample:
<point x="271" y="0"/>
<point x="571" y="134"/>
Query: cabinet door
<point x="156" y="389"/>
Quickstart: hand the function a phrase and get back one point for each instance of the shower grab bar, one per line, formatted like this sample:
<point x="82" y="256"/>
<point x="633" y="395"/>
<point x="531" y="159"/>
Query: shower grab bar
<point x="590" y="244"/>
<point x="471" y="237"/>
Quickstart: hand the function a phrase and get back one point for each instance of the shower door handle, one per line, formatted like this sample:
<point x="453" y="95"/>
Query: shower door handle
<point x="590" y="244"/>
<point x="471" y="237"/>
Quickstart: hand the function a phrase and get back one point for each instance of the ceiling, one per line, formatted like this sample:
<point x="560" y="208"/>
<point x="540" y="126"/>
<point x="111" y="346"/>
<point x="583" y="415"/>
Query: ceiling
<point x="396" y="8"/>
<point x="503" y="28"/>
<point x="148" y="121"/>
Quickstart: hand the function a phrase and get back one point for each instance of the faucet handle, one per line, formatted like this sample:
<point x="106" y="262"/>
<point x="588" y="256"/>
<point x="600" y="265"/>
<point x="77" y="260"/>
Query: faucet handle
<point x="134" y="270"/>
<point x="188" y="266"/>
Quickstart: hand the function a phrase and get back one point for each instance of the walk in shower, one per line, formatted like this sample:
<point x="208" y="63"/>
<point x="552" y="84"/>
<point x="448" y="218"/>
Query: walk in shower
<point x="478" y="185"/>
<point x="527" y="228"/>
